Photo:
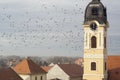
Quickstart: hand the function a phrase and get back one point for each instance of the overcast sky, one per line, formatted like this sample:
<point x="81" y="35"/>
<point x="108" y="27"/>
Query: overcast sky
<point x="49" y="27"/>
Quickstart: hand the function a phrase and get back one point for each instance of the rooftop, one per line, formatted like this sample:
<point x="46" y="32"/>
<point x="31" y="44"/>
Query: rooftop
<point x="9" y="74"/>
<point x="27" y="66"/>
<point x="73" y="70"/>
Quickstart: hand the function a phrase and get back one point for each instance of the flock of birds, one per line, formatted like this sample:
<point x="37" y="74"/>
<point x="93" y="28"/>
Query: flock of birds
<point x="56" y="26"/>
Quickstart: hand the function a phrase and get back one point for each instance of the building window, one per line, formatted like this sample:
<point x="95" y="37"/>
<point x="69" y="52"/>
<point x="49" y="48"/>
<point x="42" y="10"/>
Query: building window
<point x="94" y="11"/>
<point x="105" y="66"/>
<point x="41" y="78"/>
<point x="93" y="66"/>
<point x="36" y="78"/>
<point x="93" y="42"/>
<point x="104" y="42"/>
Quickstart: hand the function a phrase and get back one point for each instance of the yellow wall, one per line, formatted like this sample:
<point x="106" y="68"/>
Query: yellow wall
<point x="99" y="66"/>
<point x="97" y="55"/>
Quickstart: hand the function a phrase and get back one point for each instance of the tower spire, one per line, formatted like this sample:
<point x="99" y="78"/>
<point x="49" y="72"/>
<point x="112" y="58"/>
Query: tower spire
<point x="95" y="10"/>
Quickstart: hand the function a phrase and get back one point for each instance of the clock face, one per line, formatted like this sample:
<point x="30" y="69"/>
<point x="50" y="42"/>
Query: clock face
<point x="93" y="26"/>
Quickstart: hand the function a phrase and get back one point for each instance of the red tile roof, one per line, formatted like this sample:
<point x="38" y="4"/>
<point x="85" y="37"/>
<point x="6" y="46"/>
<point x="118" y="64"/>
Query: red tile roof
<point x="114" y="74"/>
<point x="47" y="68"/>
<point x="113" y="65"/>
<point x="73" y="70"/>
<point x="27" y="66"/>
<point x="113" y="62"/>
<point x="9" y="74"/>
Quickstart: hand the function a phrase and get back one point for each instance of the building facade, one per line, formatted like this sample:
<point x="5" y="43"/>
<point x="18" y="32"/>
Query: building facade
<point x="28" y="70"/>
<point x="95" y="36"/>
<point x="65" y="72"/>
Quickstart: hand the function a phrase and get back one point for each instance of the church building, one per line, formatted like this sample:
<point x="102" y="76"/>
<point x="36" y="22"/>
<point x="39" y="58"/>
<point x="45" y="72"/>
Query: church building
<point x="95" y="41"/>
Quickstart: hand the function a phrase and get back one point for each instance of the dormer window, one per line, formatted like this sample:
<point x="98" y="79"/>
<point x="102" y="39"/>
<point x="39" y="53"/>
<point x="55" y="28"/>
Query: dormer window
<point x="94" y="11"/>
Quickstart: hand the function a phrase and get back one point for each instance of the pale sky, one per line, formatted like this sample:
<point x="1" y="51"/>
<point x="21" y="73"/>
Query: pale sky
<point x="50" y="27"/>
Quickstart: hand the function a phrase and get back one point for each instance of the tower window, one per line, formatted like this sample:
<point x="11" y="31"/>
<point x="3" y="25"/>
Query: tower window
<point x="105" y="66"/>
<point x="93" y="66"/>
<point x="94" y="11"/>
<point x="93" y="42"/>
<point x="104" y="42"/>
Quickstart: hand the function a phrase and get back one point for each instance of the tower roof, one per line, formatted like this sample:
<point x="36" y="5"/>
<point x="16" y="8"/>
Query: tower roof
<point x="95" y="10"/>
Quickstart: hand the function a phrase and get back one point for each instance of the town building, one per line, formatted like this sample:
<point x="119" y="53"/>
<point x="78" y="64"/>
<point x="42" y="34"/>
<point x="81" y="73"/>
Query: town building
<point x="29" y="70"/>
<point x="95" y="39"/>
<point x="113" y="66"/>
<point x="79" y="61"/>
<point x="9" y="74"/>
<point x="46" y="68"/>
<point x="65" y="72"/>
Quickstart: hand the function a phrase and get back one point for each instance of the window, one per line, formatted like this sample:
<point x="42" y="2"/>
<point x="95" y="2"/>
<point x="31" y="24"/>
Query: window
<point x="35" y="78"/>
<point x="94" y="11"/>
<point x="105" y="66"/>
<point x="93" y="42"/>
<point x="41" y="78"/>
<point x="104" y="42"/>
<point x="93" y="66"/>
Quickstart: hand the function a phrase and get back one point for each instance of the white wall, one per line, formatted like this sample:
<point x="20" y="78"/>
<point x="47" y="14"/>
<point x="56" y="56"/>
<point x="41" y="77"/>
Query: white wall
<point x="32" y="77"/>
<point x="25" y="77"/>
<point x="57" y="72"/>
<point x="38" y="76"/>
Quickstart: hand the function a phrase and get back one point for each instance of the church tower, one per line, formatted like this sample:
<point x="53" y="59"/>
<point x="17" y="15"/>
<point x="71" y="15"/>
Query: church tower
<point x="95" y="36"/>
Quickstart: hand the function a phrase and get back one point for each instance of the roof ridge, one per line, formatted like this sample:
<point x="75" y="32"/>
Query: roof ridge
<point x="67" y="68"/>
<point x="28" y="65"/>
<point x="62" y="69"/>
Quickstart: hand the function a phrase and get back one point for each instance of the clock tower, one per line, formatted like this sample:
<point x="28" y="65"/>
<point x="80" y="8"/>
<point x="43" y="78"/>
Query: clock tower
<point x="95" y="36"/>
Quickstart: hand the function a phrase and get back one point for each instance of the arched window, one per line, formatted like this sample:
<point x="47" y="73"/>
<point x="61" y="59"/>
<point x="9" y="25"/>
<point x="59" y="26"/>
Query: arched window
<point x="94" y="11"/>
<point x="93" y="66"/>
<point x="93" y="42"/>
